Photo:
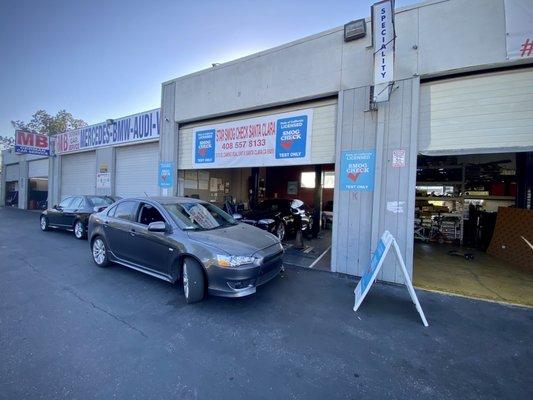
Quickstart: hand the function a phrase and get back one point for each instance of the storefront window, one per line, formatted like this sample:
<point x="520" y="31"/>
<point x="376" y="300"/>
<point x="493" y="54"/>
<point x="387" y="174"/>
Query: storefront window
<point x="307" y="180"/>
<point x="328" y="180"/>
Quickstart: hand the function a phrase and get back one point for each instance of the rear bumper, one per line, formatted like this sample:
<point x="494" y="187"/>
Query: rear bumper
<point x="241" y="281"/>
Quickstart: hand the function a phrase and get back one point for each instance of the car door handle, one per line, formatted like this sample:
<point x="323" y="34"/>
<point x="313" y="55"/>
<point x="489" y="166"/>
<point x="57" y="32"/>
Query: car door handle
<point x="132" y="232"/>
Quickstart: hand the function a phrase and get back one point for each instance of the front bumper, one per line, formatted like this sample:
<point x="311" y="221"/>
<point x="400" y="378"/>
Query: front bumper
<point x="243" y="281"/>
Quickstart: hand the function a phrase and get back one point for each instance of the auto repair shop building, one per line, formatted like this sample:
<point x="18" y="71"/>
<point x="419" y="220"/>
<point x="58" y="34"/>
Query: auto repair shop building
<point x="296" y="121"/>
<point x="118" y="157"/>
<point x="456" y="92"/>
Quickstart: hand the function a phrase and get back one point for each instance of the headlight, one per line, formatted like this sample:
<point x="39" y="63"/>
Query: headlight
<point x="266" y="221"/>
<point x="234" y="261"/>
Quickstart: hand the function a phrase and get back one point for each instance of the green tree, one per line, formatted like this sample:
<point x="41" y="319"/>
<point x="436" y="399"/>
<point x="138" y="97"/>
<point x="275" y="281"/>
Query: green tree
<point x="42" y="122"/>
<point x="6" y="142"/>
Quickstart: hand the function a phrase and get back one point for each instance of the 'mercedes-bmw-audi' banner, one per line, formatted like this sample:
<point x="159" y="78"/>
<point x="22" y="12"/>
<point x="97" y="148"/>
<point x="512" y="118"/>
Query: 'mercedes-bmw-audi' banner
<point x="278" y="139"/>
<point x="135" y="128"/>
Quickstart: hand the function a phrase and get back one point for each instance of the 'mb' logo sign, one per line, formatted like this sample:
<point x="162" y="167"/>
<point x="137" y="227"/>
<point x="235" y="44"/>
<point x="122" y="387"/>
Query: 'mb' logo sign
<point x="31" y="143"/>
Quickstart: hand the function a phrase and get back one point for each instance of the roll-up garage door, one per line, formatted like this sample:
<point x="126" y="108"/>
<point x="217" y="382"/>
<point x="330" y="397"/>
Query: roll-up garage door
<point x="12" y="172"/>
<point x="489" y="113"/>
<point x="322" y="139"/>
<point x="136" y="170"/>
<point x="78" y="174"/>
<point x="38" y="168"/>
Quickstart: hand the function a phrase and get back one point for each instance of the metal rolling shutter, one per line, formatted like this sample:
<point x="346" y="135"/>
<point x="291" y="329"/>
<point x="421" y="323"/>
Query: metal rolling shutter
<point x="323" y="134"/>
<point x="78" y="174"/>
<point x="489" y="113"/>
<point x="136" y="170"/>
<point x="38" y="168"/>
<point x="12" y="172"/>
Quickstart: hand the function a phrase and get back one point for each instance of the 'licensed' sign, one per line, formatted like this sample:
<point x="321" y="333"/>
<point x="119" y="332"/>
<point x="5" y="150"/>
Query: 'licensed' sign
<point x="357" y="170"/>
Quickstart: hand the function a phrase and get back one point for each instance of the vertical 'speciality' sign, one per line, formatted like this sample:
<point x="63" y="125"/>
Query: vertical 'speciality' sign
<point x="383" y="38"/>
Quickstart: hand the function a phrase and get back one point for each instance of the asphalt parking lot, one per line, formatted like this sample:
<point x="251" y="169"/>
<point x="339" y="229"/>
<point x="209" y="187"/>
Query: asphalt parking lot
<point x="69" y="329"/>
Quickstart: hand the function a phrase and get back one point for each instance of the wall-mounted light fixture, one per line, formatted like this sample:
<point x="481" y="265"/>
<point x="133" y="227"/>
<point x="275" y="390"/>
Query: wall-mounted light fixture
<point x="354" y="30"/>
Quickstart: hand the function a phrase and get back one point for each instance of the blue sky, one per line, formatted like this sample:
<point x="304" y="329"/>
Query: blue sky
<point x="107" y="59"/>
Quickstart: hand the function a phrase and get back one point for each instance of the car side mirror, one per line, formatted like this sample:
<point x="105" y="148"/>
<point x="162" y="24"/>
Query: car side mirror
<point x="237" y="217"/>
<point x="158" y="226"/>
<point x="98" y="209"/>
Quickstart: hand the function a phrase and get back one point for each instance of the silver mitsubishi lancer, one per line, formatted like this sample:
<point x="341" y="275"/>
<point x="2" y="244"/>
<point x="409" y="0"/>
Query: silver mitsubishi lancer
<point x="187" y="240"/>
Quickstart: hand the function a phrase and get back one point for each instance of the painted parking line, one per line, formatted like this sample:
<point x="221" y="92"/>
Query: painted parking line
<point x="320" y="257"/>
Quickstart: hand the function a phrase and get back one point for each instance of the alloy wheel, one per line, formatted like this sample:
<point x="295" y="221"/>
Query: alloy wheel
<point x="78" y="229"/>
<point x="99" y="251"/>
<point x="43" y="223"/>
<point x="185" y="281"/>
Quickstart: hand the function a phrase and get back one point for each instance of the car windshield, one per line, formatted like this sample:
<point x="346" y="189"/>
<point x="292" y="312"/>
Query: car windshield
<point x="199" y="216"/>
<point x="272" y="205"/>
<point x="98" y="201"/>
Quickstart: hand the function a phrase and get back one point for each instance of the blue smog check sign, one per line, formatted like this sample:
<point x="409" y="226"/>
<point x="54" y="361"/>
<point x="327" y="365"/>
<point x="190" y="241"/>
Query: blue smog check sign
<point x="291" y="137"/>
<point x="165" y="175"/>
<point x="205" y="147"/>
<point x="357" y="170"/>
<point x="271" y="140"/>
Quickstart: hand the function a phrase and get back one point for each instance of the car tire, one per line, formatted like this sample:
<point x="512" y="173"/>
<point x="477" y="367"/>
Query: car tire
<point x="99" y="251"/>
<point x="281" y="230"/>
<point x="79" y="230"/>
<point x="44" y="223"/>
<point x="193" y="280"/>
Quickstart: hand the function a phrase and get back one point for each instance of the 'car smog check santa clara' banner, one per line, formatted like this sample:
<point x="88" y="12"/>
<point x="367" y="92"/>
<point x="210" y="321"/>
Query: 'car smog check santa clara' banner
<point x="279" y="139"/>
<point x="137" y="127"/>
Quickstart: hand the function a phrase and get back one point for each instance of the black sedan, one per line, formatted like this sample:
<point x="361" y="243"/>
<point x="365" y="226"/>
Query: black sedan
<point x="73" y="213"/>
<point x="179" y="238"/>
<point x="281" y="217"/>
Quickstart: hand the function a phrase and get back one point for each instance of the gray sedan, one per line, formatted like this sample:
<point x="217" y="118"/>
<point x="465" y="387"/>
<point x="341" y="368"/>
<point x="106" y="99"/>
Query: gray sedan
<point x="187" y="240"/>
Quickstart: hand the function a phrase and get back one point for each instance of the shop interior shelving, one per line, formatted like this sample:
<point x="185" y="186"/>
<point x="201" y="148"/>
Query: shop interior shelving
<point x="460" y="197"/>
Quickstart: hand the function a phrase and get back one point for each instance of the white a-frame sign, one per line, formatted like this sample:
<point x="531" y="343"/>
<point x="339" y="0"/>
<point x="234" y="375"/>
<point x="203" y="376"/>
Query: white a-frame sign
<point x="384" y="245"/>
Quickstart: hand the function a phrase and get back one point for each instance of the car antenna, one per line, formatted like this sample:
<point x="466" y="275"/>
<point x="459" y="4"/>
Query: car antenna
<point x="146" y="194"/>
